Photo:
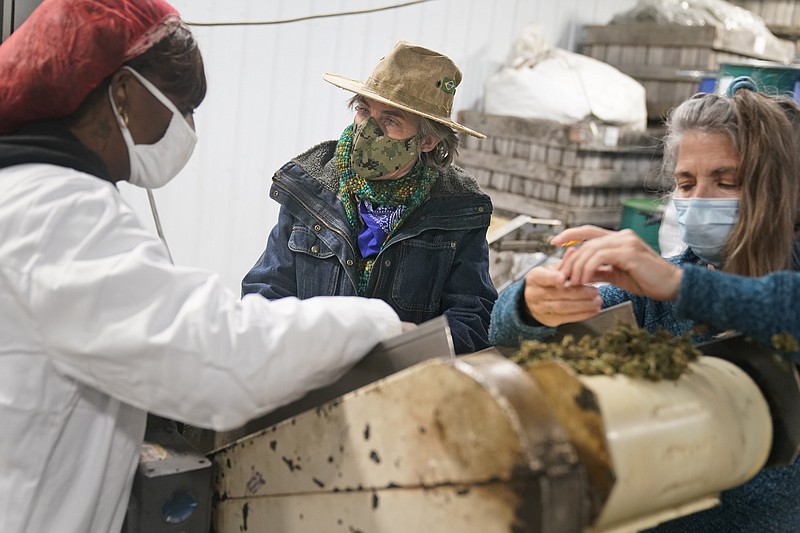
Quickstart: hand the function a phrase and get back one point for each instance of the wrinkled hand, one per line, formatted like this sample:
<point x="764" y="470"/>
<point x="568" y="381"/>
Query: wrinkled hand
<point x="621" y="258"/>
<point x="407" y="326"/>
<point x="553" y="301"/>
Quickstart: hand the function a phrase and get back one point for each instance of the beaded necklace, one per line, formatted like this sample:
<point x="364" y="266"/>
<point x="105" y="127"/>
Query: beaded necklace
<point x="410" y="191"/>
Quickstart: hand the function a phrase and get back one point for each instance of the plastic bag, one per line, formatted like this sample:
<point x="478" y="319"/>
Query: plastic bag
<point x="717" y="13"/>
<point x="554" y="84"/>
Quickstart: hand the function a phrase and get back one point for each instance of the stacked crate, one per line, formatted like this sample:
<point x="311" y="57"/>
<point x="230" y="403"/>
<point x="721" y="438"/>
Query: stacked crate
<point x="577" y="173"/>
<point x="670" y="60"/>
<point x="781" y="16"/>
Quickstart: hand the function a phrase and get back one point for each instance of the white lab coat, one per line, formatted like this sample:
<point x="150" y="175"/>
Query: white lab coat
<point x="97" y="327"/>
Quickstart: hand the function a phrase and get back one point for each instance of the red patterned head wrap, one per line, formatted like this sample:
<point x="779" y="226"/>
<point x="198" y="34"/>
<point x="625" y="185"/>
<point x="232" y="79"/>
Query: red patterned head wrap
<point x="67" y="47"/>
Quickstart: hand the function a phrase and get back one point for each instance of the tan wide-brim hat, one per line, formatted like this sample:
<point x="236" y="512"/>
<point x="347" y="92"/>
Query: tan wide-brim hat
<point x="414" y="79"/>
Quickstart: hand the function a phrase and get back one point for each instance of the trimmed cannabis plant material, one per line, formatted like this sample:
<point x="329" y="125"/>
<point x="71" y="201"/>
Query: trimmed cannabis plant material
<point x="785" y="342"/>
<point x="625" y="349"/>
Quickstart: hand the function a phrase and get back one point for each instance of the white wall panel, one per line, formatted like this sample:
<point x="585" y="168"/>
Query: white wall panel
<point x="267" y="101"/>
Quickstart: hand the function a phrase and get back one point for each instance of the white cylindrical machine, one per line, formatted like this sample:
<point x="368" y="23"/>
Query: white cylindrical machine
<point x="671" y="446"/>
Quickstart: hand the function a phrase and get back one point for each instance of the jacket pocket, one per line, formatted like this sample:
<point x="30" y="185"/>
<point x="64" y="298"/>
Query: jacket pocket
<point x="317" y="268"/>
<point x="422" y="270"/>
<point x="307" y="242"/>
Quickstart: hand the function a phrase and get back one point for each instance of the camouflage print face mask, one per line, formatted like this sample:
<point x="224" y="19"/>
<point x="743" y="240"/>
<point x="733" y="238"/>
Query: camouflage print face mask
<point x="375" y="154"/>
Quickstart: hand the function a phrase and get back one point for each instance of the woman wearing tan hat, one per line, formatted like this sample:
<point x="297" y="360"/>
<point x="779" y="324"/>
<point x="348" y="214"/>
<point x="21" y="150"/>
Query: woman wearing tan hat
<point x="97" y="326"/>
<point x="382" y="212"/>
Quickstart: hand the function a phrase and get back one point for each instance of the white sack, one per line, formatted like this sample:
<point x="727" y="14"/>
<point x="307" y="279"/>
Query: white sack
<point x="558" y="85"/>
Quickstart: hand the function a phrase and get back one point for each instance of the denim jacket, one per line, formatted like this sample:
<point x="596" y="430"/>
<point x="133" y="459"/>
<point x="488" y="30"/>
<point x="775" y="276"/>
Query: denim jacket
<point x="436" y="262"/>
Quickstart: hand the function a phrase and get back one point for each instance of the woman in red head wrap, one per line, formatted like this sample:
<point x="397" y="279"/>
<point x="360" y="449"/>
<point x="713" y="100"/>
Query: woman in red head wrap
<point x="111" y="75"/>
<point x="98" y="327"/>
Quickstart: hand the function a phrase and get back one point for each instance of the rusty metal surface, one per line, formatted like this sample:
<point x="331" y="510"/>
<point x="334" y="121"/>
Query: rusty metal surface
<point x="562" y="503"/>
<point x="462" y="435"/>
<point x="576" y="406"/>
<point x="458" y="509"/>
<point x="476" y="443"/>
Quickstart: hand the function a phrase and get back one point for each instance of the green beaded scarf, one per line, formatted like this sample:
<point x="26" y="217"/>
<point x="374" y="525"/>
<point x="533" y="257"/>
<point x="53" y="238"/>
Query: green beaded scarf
<point x="410" y="190"/>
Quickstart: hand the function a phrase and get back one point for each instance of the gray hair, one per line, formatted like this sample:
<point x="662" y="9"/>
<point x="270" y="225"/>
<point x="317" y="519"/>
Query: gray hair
<point x="709" y="113"/>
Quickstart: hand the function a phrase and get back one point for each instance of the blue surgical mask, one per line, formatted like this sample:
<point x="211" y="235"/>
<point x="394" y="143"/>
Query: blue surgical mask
<point x="705" y="224"/>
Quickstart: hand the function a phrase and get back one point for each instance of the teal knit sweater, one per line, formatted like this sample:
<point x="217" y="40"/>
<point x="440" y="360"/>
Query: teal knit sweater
<point x="757" y="307"/>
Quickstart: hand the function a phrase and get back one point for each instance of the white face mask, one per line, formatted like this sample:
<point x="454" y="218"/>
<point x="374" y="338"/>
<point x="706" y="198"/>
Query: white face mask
<point x="154" y="165"/>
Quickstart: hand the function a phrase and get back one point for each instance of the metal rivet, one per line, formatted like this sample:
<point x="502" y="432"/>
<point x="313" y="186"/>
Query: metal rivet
<point x="349" y="262"/>
<point x="387" y="263"/>
<point x="274" y="194"/>
<point x="481" y="209"/>
<point x="453" y="244"/>
<point x="315" y="249"/>
<point x="317" y="227"/>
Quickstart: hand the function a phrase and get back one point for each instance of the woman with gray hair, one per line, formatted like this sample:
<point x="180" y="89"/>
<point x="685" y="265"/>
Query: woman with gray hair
<point x="383" y="212"/>
<point x="735" y="162"/>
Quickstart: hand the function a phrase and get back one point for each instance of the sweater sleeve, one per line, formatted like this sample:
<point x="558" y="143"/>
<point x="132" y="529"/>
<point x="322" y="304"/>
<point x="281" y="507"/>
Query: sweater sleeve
<point x="757" y="307"/>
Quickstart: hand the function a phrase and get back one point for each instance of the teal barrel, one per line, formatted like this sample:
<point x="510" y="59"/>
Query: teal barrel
<point x="643" y="215"/>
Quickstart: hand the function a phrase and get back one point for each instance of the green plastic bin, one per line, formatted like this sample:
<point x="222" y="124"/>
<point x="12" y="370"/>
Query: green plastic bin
<point x="643" y="215"/>
<point x="770" y="77"/>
